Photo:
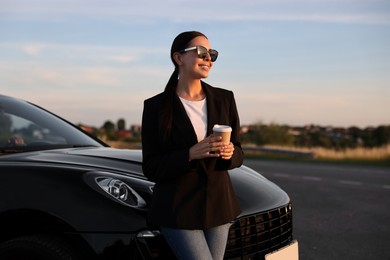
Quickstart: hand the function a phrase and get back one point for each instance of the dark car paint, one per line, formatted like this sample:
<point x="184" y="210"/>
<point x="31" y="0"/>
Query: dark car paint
<point x="128" y="163"/>
<point x="48" y="175"/>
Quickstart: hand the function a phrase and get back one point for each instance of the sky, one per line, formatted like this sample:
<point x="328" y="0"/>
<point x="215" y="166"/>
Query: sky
<point x="294" y="62"/>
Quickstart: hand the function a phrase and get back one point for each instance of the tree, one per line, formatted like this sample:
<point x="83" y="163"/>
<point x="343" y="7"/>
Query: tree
<point x="254" y="135"/>
<point x="278" y="135"/>
<point x="356" y="136"/>
<point x="381" y="135"/>
<point x="109" y="128"/>
<point x="121" y="125"/>
<point x="261" y="134"/>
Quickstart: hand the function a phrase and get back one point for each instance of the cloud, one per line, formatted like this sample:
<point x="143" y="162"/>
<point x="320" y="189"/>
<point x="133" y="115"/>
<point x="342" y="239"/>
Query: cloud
<point x="33" y="49"/>
<point x="122" y="58"/>
<point x="66" y="54"/>
<point x="335" y="11"/>
<point x="314" y="17"/>
<point x="54" y="63"/>
<point x="318" y="107"/>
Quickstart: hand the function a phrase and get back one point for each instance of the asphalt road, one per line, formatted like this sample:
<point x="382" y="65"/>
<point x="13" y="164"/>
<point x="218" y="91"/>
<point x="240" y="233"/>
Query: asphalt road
<point x="339" y="211"/>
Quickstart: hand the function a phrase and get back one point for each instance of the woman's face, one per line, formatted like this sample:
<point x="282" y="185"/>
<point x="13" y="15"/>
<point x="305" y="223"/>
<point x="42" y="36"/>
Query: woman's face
<point x="193" y="67"/>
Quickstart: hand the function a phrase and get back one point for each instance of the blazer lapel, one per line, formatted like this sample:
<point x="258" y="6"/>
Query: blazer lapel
<point x="213" y="107"/>
<point x="183" y="132"/>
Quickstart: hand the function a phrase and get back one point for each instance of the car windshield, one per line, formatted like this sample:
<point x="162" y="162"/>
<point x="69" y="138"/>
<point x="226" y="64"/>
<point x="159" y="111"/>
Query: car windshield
<point x="26" y="127"/>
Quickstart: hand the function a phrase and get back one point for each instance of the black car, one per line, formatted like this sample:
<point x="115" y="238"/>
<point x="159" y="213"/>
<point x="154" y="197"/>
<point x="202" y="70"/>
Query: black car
<point x="67" y="195"/>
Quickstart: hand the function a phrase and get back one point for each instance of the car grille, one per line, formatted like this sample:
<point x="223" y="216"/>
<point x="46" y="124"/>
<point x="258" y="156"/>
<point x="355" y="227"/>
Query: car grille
<point x="252" y="237"/>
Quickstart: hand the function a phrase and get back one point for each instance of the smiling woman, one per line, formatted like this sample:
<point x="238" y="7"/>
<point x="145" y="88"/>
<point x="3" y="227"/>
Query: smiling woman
<point x="193" y="200"/>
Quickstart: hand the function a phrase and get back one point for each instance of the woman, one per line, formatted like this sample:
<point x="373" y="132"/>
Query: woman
<point x="193" y="200"/>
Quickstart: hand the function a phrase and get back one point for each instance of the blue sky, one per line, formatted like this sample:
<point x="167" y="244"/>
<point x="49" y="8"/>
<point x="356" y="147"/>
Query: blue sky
<point x="293" y="62"/>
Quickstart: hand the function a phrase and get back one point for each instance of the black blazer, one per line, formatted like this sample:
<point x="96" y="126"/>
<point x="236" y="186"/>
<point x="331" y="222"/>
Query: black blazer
<point x="196" y="194"/>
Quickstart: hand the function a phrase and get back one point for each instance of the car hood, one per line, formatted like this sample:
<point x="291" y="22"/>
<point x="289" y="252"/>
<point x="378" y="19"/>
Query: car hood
<point x="98" y="158"/>
<point x="255" y="193"/>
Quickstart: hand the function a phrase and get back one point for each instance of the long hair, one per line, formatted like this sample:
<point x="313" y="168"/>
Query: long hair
<point x="179" y="43"/>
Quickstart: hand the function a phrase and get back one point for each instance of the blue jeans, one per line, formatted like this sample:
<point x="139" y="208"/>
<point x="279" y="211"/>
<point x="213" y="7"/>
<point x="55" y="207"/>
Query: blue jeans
<point x="197" y="244"/>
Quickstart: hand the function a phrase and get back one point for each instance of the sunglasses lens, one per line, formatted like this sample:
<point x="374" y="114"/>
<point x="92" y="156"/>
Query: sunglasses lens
<point x="213" y="55"/>
<point x="202" y="53"/>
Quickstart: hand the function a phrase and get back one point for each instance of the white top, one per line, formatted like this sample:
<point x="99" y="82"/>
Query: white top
<point x="197" y="112"/>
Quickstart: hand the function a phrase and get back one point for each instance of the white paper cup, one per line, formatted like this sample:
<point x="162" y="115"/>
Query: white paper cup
<point x="224" y="131"/>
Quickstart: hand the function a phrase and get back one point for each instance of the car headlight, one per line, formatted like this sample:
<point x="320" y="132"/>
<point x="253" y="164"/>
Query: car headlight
<point x="115" y="187"/>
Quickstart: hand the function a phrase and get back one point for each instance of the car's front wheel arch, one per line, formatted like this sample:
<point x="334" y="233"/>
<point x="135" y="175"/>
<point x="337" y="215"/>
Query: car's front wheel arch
<point x="20" y="224"/>
<point x="37" y="247"/>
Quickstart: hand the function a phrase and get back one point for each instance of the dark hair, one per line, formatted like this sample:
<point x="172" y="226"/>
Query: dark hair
<point x="179" y="43"/>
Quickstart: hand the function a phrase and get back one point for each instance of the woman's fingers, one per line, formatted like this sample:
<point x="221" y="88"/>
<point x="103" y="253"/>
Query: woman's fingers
<point x="227" y="152"/>
<point x="211" y="146"/>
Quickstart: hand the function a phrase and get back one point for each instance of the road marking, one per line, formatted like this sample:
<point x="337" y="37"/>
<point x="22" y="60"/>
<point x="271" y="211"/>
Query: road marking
<point x="312" y="178"/>
<point x="315" y="178"/>
<point x="350" y="182"/>
<point x="282" y="175"/>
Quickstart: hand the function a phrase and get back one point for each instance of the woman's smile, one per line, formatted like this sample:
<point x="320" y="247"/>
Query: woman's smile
<point x="205" y="67"/>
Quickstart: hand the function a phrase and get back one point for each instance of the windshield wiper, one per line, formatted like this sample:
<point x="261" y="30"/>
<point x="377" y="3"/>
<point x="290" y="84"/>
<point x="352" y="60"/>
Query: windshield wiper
<point x="9" y="150"/>
<point x="83" y="145"/>
<point x="27" y="148"/>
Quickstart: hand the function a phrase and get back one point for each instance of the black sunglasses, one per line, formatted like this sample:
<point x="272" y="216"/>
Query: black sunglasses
<point x="202" y="52"/>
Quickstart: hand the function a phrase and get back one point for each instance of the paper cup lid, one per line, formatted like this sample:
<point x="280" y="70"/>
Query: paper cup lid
<point x="222" y="128"/>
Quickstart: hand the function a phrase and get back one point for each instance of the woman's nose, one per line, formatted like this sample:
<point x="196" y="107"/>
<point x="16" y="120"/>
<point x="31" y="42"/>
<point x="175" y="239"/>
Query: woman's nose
<point x="208" y="56"/>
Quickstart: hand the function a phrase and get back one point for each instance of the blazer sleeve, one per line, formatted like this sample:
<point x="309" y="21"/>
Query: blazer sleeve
<point x="238" y="154"/>
<point x="160" y="163"/>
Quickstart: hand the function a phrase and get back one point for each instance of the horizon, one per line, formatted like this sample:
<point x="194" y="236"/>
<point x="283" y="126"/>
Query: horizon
<point x="130" y="125"/>
<point x="292" y="62"/>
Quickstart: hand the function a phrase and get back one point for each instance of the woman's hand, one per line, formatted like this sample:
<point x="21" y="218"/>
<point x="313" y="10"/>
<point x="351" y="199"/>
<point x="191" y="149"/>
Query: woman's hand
<point x="227" y="151"/>
<point x="211" y="146"/>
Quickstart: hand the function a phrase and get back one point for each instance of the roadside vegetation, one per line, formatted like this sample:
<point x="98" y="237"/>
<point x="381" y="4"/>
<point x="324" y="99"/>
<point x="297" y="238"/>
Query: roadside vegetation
<point x="316" y="143"/>
<point x="379" y="156"/>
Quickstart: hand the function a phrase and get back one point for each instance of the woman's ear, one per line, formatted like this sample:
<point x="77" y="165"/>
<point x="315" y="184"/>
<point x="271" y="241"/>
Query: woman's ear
<point x="177" y="58"/>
